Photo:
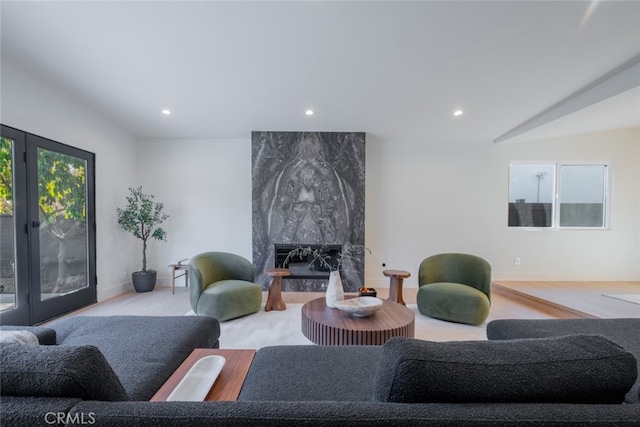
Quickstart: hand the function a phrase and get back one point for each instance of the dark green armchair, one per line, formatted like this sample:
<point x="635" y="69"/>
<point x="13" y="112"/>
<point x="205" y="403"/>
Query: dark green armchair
<point x="455" y="287"/>
<point x="221" y="286"/>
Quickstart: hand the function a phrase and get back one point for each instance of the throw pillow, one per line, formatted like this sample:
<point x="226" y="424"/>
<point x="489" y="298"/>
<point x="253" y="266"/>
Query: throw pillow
<point x="58" y="371"/>
<point x="566" y="369"/>
<point x="18" y="337"/>
<point x="46" y="336"/>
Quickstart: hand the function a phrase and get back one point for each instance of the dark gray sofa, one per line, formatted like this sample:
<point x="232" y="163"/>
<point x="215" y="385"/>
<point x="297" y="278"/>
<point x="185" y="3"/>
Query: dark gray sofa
<point x="333" y="386"/>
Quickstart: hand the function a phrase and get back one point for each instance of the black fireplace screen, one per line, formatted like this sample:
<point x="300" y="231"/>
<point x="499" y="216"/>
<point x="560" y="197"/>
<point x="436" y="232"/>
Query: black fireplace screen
<point x="307" y="266"/>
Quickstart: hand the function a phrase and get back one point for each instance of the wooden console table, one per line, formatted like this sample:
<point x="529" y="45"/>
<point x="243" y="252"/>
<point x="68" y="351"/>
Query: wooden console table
<point x="330" y="326"/>
<point x="229" y="382"/>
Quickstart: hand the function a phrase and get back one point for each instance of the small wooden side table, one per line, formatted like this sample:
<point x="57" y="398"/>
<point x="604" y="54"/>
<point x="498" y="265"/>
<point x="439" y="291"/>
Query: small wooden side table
<point x="274" y="298"/>
<point x="179" y="266"/>
<point x="395" y="284"/>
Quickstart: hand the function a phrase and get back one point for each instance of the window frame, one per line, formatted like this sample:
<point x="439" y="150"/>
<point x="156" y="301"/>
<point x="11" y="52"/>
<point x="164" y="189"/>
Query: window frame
<point x="557" y="186"/>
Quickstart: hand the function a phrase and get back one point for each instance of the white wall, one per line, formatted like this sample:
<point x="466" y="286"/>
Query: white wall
<point x="36" y="106"/>
<point x="205" y="186"/>
<point x="637" y="185"/>
<point x="422" y="198"/>
<point x="580" y="255"/>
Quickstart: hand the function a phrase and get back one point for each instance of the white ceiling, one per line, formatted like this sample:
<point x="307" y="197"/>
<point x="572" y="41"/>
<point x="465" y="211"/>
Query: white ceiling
<point x="392" y="69"/>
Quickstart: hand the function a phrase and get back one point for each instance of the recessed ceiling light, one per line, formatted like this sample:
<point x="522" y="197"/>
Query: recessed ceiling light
<point x="309" y="112"/>
<point x="166" y="112"/>
<point x="458" y="113"/>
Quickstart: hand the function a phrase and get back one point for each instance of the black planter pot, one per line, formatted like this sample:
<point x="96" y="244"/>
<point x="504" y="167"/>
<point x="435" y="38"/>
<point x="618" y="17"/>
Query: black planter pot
<point x="144" y="281"/>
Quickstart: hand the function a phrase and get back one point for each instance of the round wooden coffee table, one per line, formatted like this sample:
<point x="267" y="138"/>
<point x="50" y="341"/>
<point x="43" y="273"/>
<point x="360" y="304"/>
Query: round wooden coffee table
<point x="330" y="326"/>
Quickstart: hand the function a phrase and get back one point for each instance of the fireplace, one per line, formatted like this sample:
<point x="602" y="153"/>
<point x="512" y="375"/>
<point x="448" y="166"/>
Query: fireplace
<point x="307" y="187"/>
<point x="307" y="267"/>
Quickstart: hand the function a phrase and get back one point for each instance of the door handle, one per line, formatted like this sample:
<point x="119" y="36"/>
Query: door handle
<point x="35" y="224"/>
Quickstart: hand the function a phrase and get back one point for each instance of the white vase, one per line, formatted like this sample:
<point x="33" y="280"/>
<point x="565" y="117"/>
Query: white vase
<point x="335" y="292"/>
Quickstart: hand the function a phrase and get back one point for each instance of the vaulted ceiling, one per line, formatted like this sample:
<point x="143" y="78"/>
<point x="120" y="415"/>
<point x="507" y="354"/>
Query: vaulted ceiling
<point x="390" y="68"/>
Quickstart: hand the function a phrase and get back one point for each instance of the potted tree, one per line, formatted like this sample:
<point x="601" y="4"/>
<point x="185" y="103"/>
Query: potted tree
<point x="142" y="217"/>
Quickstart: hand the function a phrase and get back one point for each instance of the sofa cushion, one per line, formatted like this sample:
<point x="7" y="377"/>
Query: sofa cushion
<point x="311" y="372"/>
<point x="623" y="331"/>
<point x="568" y="369"/>
<point x="58" y="371"/>
<point x="39" y="411"/>
<point x="143" y="350"/>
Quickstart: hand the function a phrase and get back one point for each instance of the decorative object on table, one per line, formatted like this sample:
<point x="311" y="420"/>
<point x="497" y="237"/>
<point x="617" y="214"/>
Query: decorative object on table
<point x="360" y="307"/>
<point x="455" y="287"/>
<point x="367" y="292"/>
<point x="196" y="384"/>
<point x="142" y="217"/>
<point x="323" y="261"/>
<point x="335" y="291"/>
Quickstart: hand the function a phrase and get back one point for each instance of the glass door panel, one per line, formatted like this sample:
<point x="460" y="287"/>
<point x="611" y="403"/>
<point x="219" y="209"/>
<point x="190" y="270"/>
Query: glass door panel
<point x="14" y="251"/>
<point x="62" y="217"/>
<point x="61" y="228"/>
<point x="8" y="299"/>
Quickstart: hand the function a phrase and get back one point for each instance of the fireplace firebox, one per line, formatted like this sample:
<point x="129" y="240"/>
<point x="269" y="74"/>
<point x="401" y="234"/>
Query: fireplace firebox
<point x="307" y="267"/>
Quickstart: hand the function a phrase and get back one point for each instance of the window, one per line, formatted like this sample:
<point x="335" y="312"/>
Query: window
<point x="558" y="195"/>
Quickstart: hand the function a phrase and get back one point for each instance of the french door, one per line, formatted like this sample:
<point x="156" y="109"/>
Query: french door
<point x="47" y="228"/>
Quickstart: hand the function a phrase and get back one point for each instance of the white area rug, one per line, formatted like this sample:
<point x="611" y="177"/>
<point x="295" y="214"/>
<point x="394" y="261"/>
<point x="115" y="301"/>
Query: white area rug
<point x="264" y="329"/>
<point x="632" y="298"/>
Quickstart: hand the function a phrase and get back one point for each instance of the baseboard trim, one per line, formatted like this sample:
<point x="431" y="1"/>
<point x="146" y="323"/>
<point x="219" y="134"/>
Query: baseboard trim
<point x="113" y="291"/>
<point x="556" y="310"/>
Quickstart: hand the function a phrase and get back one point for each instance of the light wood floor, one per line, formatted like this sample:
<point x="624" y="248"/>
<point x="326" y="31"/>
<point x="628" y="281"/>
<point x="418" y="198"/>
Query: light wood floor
<point x="517" y="300"/>
<point x="573" y="299"/>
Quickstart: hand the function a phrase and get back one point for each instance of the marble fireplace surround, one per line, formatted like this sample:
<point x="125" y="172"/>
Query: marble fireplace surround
<point x="308" y="188"/>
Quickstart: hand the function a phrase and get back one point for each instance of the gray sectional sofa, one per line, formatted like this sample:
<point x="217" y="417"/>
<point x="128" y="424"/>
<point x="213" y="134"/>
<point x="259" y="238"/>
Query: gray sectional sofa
<point x="563" y="377"/>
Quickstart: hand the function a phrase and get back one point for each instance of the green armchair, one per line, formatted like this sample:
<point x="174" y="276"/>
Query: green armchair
<point x="455" y="287"/>
<point x="221" y="286"/>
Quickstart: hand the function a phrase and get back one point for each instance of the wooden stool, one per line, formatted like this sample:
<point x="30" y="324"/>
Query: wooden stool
<point x="395" y="284"/>
<point x="274" y="298"/>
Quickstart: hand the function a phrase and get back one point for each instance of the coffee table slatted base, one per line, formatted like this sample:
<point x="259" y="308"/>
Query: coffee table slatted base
<point x="327" y="326"/>
<point x="327" y="335"/>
